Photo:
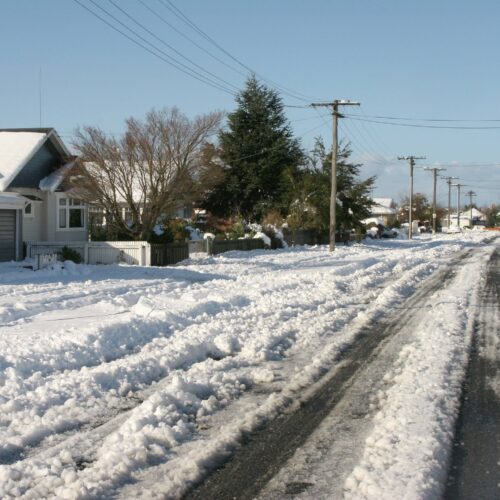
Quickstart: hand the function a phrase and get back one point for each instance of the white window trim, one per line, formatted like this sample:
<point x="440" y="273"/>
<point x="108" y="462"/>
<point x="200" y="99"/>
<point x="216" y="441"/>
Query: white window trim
<point x="67" y="207"/>
<point x="32" y="214"/>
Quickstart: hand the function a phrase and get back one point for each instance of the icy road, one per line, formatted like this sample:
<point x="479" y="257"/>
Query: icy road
<point x="128" y="382"/>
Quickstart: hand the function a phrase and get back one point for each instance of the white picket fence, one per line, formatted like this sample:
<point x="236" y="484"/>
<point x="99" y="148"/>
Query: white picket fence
<point x="43" y="260"/>
<point x="97" y="252"/>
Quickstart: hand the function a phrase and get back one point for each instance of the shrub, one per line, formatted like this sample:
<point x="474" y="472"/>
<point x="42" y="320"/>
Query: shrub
<point x="173" y="230"/>
<point x="237" y="230"/>
<point x="68" y="253"/>
<point x="273" y="218"/>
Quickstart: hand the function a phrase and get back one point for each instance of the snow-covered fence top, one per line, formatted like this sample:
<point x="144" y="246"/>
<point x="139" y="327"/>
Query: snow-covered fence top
<point x="97" y="252"/>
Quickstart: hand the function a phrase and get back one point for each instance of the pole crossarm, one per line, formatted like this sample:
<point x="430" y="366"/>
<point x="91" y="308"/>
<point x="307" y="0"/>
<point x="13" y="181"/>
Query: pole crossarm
<point x="333" y="194"/>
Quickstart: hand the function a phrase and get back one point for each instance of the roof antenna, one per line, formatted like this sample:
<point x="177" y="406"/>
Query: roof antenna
<point x="40" y="94"/>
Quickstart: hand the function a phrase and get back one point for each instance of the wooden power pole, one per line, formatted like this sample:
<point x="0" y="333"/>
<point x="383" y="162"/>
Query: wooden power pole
<point x="333" y="192"/>
<point x="470" y="194"/>
<point x="411" y="160"/>
<point x="434" y="171"/>
<point x="448" y="181"/>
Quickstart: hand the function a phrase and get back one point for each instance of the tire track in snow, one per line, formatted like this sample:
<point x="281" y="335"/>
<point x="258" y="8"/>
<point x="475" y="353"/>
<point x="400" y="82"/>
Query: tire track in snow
<point x="47" y="395"/>
<point x="367" y="281"/>
<point x="340" y="398"/>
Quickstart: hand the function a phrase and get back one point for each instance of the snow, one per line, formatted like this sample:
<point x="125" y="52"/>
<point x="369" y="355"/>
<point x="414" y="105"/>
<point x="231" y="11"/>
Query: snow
<point x="264" y="237"/>
<point x="133" y="382"/>
<point x="16" y="149"/>
<point x="54" y="180"/>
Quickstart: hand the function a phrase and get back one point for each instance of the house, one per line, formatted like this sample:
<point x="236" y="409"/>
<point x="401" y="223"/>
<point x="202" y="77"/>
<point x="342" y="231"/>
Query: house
<point x="34" y="205"/>
<point x="477" y="219"/>
<point x="385" y="210"/>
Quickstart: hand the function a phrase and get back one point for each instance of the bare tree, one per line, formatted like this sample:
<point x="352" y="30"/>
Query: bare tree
<point x="156" y="166"/>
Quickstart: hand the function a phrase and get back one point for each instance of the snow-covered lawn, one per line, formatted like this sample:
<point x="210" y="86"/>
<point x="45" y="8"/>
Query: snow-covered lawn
<point x="133" y="381"/>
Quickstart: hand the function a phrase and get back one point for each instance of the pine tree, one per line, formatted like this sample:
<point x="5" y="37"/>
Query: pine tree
<point x="353" y="194"/>
<point x="256" y="149"/>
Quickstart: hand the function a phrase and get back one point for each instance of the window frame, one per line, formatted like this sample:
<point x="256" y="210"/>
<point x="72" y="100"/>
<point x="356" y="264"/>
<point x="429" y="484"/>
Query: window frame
<point x="67" y="207"/>
<point x="31" y="215"/>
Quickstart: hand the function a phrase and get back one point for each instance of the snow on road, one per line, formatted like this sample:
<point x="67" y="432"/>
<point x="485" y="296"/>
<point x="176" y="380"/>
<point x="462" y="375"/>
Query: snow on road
<point x="118" y="380"/>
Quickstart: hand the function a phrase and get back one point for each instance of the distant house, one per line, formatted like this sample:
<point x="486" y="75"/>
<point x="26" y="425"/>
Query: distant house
<point x="477" y="219"/>
<point x="34" y="205"/>
<point x="385" y="210"/>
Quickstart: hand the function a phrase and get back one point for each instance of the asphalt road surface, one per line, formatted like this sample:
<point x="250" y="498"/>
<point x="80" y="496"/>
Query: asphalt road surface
<point x="475" y="466"/>
<point x="341" y="399"/>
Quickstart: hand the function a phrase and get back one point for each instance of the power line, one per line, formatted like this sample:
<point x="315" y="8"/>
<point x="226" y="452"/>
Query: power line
<point x="415" y="125"/>
<point x="178" y="12"/>
<point x="165" y="58"/>
<point x="411" y="160"/>
<point x="372" y="131"/>
<point x="429" y="119"/>
<point x="334" y="105"/>
<point x="123" y="11"/>
<point x="266" y="150"/>
<point x="186" y="37"/>
<point x="366" y="141"/>
<point x="469" y="165"/>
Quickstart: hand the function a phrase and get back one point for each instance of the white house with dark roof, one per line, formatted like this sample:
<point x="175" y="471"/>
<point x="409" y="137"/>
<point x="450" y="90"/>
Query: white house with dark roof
<point x="34" y="205"/>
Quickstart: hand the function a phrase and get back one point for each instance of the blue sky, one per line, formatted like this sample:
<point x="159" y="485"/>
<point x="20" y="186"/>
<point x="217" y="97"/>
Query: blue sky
<point x="410" y="59"/>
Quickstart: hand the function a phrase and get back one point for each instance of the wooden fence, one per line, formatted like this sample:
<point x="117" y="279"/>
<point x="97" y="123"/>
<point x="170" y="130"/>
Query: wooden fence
<point x="168" y="254"/>
<point x="306" y="237"/>
<point x="220" y="246"/>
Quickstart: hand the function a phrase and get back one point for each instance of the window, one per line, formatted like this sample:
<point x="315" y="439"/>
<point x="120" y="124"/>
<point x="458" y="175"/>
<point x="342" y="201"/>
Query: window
<point x="70" y="214"/>
<point x="29" y="210"/>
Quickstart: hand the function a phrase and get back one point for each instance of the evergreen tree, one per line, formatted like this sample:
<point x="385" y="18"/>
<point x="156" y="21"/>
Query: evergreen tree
<point x="257" y="149"/>
<point x="353" y="195"/>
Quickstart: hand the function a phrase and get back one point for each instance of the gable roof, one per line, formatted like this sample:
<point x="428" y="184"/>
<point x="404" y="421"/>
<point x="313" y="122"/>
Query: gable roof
<point x="18" y="146"/>
<point x="383" y="202"/>
<point x="382" y="206"/>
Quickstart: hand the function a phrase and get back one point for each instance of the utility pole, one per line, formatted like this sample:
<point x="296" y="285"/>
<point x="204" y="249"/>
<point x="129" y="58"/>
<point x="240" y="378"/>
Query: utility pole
<point x="411" y="160"/>
<point x="434" y="171"/>
<point x="458" y="186"/>
<point x="448" y="181"/>
<point x="333" y="192"/>
<point x="470" y="194"/>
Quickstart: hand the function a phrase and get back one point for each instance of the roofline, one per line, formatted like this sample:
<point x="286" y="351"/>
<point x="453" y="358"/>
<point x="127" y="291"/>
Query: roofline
<point x="51" y="134"/>
<point x="59" y="144"/>
<point x="45" y="130"/>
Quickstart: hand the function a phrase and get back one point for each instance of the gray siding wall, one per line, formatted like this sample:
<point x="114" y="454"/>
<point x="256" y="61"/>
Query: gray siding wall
<point x="8" y="237"/>
<point x="35" y="228"/>
<point x="44" y="162"/>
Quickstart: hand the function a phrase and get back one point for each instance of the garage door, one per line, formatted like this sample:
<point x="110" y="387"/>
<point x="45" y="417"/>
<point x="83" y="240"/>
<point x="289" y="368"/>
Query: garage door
<point x="7" y="235"/>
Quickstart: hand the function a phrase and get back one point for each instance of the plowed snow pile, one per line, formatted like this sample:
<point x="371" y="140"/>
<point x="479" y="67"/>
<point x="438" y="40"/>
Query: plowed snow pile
<point x="113" y="376"/>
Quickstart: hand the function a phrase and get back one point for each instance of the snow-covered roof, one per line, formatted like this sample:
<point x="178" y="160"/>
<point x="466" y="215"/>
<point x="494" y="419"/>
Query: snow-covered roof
<point x="12" y="201"/>
<point x="54" y="180"/>
<point x="16" y="149"/>
<point x="384" y="202"/>
<point x="372" y="220"/>
<point x="18" y="146"/>
<point x="382" y="206"/>
<point x="476" y="214"/>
